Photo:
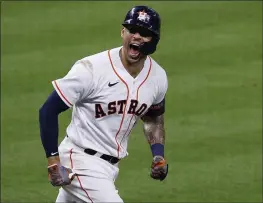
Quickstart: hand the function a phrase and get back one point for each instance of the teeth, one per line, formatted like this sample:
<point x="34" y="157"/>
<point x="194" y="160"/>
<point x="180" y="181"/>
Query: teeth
<point x="137" y="45"/>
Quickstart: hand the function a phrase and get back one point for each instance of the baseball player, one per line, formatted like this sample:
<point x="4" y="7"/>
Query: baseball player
<point x="109" y="92"/>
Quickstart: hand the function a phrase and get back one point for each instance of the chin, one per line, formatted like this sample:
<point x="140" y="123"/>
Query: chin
<point x="133" y="60"/>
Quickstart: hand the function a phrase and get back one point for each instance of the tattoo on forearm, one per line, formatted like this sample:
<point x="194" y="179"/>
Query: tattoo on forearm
<point x="154" y="129"/>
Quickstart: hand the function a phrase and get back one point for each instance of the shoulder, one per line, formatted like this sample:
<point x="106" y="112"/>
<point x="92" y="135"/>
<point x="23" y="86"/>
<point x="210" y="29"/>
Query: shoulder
<point x="94" y="59"/>
<point x="99" y="59"/>
<point x="88" y="64"/>
<point x="102" y="56"/>
<point x="157" y="70"/>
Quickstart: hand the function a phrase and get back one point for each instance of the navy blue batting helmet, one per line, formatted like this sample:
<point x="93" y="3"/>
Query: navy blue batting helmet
<point x="145" y="17"/>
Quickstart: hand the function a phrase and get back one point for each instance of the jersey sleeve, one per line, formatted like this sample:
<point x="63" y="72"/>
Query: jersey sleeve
<point x="163" y="86"/>
<point x="76" y="85"/>
<point x="158" y="106"/>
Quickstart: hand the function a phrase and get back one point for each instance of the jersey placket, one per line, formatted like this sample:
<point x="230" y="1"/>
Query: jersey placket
<point x="128" y="124"/>
<point x="134" y="86"/>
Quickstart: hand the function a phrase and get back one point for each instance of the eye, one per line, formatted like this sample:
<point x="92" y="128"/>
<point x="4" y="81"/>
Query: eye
<point x="132" y="30"/>
<point x="143" y="32"/>
<point x="146" y="33"/>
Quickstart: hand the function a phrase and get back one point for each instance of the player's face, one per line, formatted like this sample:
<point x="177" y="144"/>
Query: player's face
<point x="133" y="37"/>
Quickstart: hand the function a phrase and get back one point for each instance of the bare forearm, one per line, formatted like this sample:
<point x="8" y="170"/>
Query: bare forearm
<point x="154" y="129"/>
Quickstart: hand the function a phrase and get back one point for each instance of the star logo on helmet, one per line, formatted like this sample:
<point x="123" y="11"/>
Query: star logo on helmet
<point x="143" y="16"/>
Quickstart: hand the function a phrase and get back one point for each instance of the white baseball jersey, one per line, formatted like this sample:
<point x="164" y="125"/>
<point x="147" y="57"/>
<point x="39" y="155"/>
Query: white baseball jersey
<point x="107" y="101"/>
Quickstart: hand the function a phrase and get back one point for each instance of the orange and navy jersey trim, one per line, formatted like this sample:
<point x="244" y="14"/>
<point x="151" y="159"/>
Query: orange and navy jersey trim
<point x="60" y="93"/>
<point x="137" y="96"/>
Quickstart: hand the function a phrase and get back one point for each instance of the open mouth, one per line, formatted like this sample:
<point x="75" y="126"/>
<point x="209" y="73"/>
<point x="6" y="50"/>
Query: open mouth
<point x="134" y="50"/>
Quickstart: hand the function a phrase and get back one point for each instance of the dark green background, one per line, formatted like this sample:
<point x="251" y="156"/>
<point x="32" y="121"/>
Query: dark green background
<point x="212" y="52"/>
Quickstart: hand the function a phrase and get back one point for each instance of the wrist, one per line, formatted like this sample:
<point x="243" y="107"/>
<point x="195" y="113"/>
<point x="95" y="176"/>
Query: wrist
<point x="157" y="149"/>
<point x="53" y="160"/>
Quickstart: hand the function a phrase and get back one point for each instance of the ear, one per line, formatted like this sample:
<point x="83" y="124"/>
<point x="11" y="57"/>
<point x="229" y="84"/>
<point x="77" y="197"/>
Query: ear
<point x="122" y="32"/>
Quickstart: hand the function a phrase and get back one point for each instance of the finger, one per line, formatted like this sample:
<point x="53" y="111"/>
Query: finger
<point x="156" y="177"/>
<point x="49" y="176"/>
<point x="155" y="174"/>
<point x="158" y="168"/>
<point x="53" y="167"/>
<point x="56" y="183"/>
<point x="71" y="176"/>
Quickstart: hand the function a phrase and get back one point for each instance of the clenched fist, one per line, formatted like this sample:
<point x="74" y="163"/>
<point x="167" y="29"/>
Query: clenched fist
<point x="59" y="175"/>
<point x="159" y="168"/>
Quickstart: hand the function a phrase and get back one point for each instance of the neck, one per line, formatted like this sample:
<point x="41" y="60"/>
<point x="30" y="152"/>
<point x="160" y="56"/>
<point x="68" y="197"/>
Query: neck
<point x="132" y="68"/>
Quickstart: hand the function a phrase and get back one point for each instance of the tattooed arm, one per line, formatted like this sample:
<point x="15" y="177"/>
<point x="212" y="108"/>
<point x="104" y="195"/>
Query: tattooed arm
<point x="153" y="128"/>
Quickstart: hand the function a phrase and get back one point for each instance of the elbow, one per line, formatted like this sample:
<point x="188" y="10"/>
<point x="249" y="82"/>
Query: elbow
<point x="52" y="107"/>
<point x="47" y="111"/>
<point x="42" y="112"/>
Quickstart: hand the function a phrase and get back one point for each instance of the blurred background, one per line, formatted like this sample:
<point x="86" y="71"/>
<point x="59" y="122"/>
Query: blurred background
<point x="212" y="52"/>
